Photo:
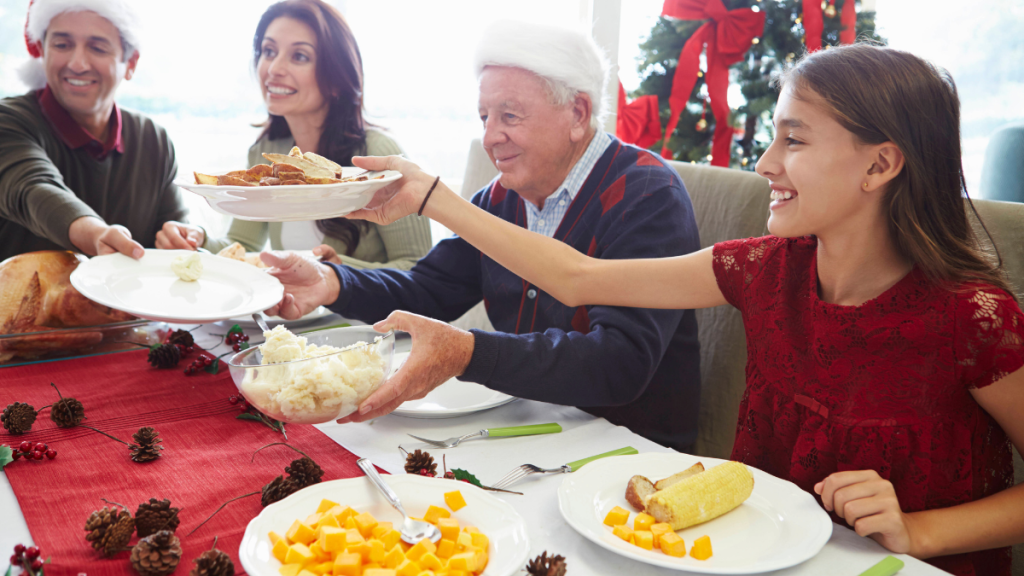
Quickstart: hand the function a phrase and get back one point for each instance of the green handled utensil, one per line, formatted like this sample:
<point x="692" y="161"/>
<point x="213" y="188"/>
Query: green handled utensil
<point x="525" y="470"/>
<point x="529" y="430"/>
<point x="887" y="567"/>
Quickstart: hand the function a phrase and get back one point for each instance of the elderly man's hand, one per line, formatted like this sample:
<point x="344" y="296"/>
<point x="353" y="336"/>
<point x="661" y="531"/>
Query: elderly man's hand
<point x="398" y="199"/>
<point x="439" y="352"/>
<point x="94" y="238"/>
<point x="307" y="284"/>
<point x="178" y="236"/>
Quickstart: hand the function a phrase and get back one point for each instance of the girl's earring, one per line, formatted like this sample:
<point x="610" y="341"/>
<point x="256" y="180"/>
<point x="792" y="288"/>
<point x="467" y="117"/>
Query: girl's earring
<point x="864" y="185"/>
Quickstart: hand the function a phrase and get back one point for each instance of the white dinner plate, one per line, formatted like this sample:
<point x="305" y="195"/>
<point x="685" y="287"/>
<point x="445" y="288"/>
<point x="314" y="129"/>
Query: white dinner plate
<point x="149" y="289"/>
<point x="498" y="520"/>
<point x="248" y="322"/>
<point x="779" y="526"/>
<point x="451" y="399"/>
<point x="290" y="203"/>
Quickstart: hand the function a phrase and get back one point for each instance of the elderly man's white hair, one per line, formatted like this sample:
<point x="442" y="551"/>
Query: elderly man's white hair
<point x="568" y="60"/>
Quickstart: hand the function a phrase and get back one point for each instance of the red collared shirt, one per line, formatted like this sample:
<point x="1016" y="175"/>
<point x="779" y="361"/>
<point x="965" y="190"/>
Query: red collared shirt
<point x="72" y="134"/>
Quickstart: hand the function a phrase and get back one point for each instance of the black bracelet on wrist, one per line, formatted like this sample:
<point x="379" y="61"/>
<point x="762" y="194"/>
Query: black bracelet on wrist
<point x="427" y="197"/>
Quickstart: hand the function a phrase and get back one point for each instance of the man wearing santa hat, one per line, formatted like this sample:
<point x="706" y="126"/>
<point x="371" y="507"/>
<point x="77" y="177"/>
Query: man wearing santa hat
<point x="76" y="171"/>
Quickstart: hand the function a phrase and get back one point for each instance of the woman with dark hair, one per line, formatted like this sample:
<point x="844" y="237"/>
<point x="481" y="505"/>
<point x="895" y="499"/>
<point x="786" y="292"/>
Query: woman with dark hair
<point x="311" y="76"/>
<point x="885" y="350"/>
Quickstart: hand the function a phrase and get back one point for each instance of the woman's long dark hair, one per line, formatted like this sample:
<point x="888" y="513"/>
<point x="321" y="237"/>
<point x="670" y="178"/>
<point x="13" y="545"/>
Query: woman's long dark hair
<point x="885" y="95"/>
<point x="339" y="74"/>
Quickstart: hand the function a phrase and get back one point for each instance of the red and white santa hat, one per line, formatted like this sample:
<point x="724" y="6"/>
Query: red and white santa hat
<point x="121" y="14"/>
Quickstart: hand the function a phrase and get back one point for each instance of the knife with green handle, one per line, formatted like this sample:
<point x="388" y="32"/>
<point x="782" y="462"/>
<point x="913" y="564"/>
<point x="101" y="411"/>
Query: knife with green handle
<point x="523" y="430"/>
<point x="576" y="465"/>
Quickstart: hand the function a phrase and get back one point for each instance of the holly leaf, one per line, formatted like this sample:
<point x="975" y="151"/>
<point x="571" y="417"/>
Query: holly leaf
<point x="461" y="474"/>
<point x="235" y="329"/>
<point x="9" y="568"/>
<point x="243" y="346"/>
<point x="5" y="455"/>
<point x="249" y="416"/>
<point x="213" y="367"/>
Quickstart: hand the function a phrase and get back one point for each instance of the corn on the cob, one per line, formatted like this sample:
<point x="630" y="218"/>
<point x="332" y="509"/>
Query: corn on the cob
<point x="702" y="497"/>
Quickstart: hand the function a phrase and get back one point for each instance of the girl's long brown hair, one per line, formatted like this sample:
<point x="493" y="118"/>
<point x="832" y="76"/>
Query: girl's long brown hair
<point x="339" y="74"/>
<point x="885" y="95"/>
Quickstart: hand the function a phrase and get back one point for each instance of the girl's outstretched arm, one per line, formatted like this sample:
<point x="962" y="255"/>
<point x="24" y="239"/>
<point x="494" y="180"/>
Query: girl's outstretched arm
<point x="571" y="277"/>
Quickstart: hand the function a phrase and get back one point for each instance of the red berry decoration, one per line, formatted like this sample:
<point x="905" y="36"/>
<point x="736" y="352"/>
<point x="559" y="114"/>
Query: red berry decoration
<point x="233" y="399"/>
<point x="15" y="560"/>
<point x="40" y="447"/>
<point x="37" y="564"/>
<point x="15" y="455"/>
<point x="19" y="548"/>
<point x="25" y="447"/>
<point x="37" y="455"/>
<point x="32" y="553"/>
<point x="51" y="453"/>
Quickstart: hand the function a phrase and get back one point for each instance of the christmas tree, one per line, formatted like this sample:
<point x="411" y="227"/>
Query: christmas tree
<point x="781" y="43"/>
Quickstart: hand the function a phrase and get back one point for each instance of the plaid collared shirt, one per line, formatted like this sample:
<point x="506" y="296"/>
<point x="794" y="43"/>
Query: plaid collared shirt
<point x="546" y="221"/>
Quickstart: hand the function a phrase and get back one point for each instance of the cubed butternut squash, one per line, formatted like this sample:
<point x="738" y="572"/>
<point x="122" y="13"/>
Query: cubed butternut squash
<point x="673" y="545"/>
<point x="657" y="530"/>
<point x="701" y="549"/>
<point x="643" y="521"/>
<point x="643" y="539"/>
<point x="454" y="500"/>
<point x="616" y="517"/>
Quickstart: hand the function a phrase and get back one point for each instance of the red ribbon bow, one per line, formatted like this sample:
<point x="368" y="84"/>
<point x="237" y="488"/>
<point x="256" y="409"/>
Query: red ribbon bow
<point x="728" y="36"/>
<point x="814" y="23"/>
<point x="637" y="122"/>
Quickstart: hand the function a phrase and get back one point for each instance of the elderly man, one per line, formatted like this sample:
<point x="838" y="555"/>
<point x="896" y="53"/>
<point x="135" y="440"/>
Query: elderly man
<point x="76" y="171"/>
<point x="541" y="106"/>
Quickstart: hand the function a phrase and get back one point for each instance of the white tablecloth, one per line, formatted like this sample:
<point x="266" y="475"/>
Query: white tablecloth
<point x="846" y="554"/>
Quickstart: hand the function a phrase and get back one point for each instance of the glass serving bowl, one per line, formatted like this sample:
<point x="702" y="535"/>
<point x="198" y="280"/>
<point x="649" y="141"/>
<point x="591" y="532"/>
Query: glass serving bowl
<point x="320" y="389"/>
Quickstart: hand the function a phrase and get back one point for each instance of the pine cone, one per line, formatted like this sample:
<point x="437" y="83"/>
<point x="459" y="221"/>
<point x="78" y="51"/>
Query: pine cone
<point x="147" y="445"/>
<point x="109" y="530"/>
<point x="213" y="563"/>
<point x="164" y="356"/>
<point x="418" y="461"/>
<point x="304" y="472"/>
<point x="278" y="489"/>
<point x="17" y="418"/>
<point x="156" y="515"/>
<point x="181" y="338"/>
<point x="157" y="555"/>
<point x="545" y="565"/>
<point x="67" y="413"/>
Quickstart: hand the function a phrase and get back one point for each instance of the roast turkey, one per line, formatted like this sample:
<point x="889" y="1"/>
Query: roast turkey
<point x="36" y="296"/>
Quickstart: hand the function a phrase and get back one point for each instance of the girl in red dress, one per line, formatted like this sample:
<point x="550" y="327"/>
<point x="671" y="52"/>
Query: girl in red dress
<point x="884" y="349"/>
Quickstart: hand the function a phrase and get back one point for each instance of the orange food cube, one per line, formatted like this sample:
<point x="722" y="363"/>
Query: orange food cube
<point x="380" y="529"/>
<point x="471" y="529"/>
<point x="480" y="540"/>
<point x="391" y="539"/>
<point x="643" y="521"/>
<point x="352" y="537"/>
<point x="672" y="544"/>
<point x="325" y="505"/>
<point x="701" y="549"/>
<point x="434" y="513"/>
<point x="319" y="552"/>
<point x="419" y="549"/>
<point x="624" y="532"/>
<point x="365" y="522"/>
<point x="332" y="539"/>
<point x="377" y="551"/>
<point x="280" y="550"/>
<point x="616" y="517"/>
<point x="430" y="562"/>
<point x="362" y="548"/>
<point x="463" y="561"/>
<point x="300" y="532"/>
<point x="349" y="523"/>
<point x="326" y="520"/>
<point x="445" y="548"/>
<point x="290" y="569"/>
<point x="322" y="568"/>
<point x="274" y="537"/>
<point x="372" y="565"/>
<point x="643" y="539"/>
<point x="464" y="541"/>
<point x="348" y="564"/>
<point x="454" y="500"/>
<point x="299" y="553"/>
<point x="342" y="513"/>
<point x="379" y="572"/>
<point x="305" y="572"/>
<point x="657" y="530"/>
<point x="395" y="557"/>
<point x="312" y="519"/>
<point x="408" y="568"/>
<point x="449" y="528"/>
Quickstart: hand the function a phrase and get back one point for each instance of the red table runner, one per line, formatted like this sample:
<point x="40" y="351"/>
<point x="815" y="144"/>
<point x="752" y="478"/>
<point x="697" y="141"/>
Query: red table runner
<point x="205" y="462"/>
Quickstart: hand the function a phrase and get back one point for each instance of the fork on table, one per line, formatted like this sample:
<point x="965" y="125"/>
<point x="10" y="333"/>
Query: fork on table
<point x="494" y="432"/>
<point x="525" y="470"/>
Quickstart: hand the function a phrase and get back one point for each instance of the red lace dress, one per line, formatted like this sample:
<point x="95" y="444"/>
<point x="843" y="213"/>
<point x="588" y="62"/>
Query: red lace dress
<point x="883" y="386"/>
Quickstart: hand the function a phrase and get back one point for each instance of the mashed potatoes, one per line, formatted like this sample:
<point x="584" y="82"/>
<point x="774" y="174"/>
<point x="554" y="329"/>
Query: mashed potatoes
<point x="330" y="386"/>
<point x="189" y="268"/>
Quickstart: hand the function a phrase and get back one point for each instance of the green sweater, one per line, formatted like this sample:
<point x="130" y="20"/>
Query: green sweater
<point x="45" y="185"/>
<point x="398" y="245"/>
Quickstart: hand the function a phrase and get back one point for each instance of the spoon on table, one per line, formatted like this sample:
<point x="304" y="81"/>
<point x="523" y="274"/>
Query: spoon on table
<point x="412" y="530"/>
<point x="260" y="321"/>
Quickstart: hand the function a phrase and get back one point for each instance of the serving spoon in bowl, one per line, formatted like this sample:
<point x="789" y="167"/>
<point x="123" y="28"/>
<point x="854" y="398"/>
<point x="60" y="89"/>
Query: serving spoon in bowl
<point x="260" y="321"/>
<point x="412" y="531"/>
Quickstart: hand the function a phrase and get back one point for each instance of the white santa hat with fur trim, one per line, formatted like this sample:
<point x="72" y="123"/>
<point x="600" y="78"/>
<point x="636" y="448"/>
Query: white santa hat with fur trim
<point x="120" y="13"/>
